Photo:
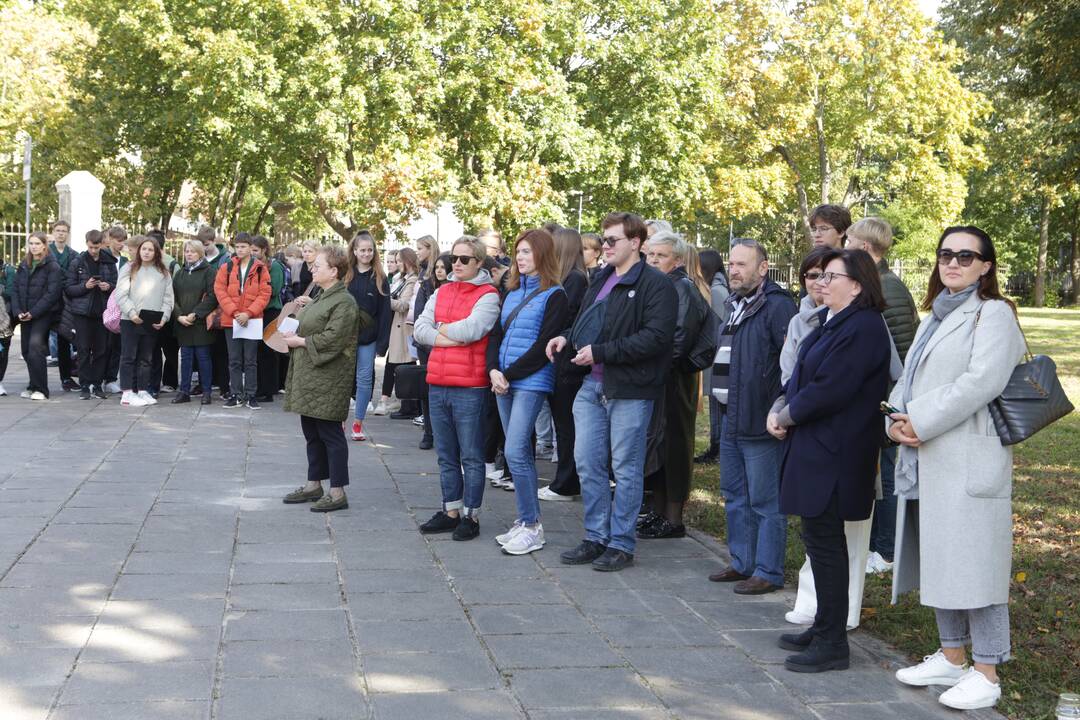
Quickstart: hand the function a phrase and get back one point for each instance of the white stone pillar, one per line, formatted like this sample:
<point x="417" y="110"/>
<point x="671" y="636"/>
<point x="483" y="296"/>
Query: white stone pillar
<point x="80" y="205"/>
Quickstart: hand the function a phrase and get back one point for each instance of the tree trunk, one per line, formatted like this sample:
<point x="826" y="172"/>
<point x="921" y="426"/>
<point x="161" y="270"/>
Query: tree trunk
<point x="800" y="192"/>
<point x="1074" y="255"/>
<point x="1039" y="298"/>
<point x="824" y="166"/>
<point x="262" y="216"/>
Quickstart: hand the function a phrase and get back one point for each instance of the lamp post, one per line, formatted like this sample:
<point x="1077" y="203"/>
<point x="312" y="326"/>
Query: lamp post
<point x="27" y="151"/>
<point x="580" y="199"/>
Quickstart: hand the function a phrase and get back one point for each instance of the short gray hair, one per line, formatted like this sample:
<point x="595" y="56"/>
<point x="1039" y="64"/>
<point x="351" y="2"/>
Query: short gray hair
<point x="679" y="246"/>
<point x="763" y="256"/>
<point x="659" y="226"/>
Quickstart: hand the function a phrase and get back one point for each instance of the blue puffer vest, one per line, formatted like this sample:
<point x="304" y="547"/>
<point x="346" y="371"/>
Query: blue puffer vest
<point x="519" y="337"/>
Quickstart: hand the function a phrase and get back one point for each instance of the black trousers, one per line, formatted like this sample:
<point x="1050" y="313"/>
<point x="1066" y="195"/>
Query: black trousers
<point x="327" y="451"/>
<point x="493" y="429"/>
<point x="112" y="369"/>
<point x="268" y="372"/>
<point x="826" y="545"/>
<point x="219" y="357"/>
<point x="566" y="480"/>
<point x="167" y="347"/>
<point x="5" y="353"/>
<point x="136" y="355"/>
<point x="34" y="339"/>
<point x="93" y="342"/>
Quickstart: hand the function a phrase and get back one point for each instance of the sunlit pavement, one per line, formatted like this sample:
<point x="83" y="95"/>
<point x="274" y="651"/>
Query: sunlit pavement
<point x="148" y="570"/>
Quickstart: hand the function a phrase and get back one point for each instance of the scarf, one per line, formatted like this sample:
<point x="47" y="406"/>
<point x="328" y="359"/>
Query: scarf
<point x="907" y="465"/>
<point x="740" y="308"/>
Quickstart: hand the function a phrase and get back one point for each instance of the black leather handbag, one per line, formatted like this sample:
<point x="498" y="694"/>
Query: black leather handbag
<point x="410" y="382"/>
<point x="1032" y="399"/>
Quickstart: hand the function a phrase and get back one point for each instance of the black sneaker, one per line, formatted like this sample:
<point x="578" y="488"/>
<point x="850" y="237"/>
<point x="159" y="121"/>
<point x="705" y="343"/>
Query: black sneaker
<point x="440" y="522"/>
<point x="820" y="657"/>
<point x="196" y="391"/>
<point x="710" y="455"/>
<point x="661" y="529"/>
<point x="253" y="404"/>
<point x="265" y="398"/>
<point x="613" y="560"/>
<point x="467" y="529"/>
<point x="402" y="415"/>
<point x="84" y="394"/>
<point x="207" y="398"/>
<point x="584" y="553"/>
<point x="97" y="392"/>
<point x="426" y="443"/>
<point x="69" y="385"/>
<point x="234" y="402"/>
<point x="648" y="520"/>
<point x="181" y="397"/>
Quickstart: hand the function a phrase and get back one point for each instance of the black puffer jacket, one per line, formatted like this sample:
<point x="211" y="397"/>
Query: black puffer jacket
<point x="575" y="284"/>
<point x="639" y="326"/>
<point x="38" y="291"/>
<point x="375" y="303"/>
<point x="82" y="300"/>
<point x="690" y="318"/>
<point x="900" y="314"/>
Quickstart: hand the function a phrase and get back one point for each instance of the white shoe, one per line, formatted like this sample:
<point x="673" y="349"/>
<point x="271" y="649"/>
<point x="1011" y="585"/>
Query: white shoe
<point x="380" y="409"/>
<point x="526" y="540"/>
<point x="113" y="387"/>
<point x="507" y="485"/>
<point x="877" y="564"/>
<point x="500" y="483"/>
<point x="514" y="530"/>
<point x="168" y="389"/>
<point x="933" y="670"/>
<point x="131" y="399"/>
<point x="555" y="455"/>
<point x="797" y="618"/>
<point x="974" y="691"/>
<point x="418" y="421"/>
<point x="492" y="474"/>
<point x="37" y="395"/>
<point x="3" y="392"/>
<point x="25" y="394"/>
<point x="371" y="407"/>
<point x="147" y="398"/>
<point x="546" y="493"/>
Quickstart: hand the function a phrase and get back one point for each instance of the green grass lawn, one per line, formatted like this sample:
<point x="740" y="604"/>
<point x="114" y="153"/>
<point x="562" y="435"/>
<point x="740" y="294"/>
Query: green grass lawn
<point x="1045" y="595"/>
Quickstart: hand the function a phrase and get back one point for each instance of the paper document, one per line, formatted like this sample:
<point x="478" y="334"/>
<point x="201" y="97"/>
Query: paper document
<point x="287" y="324"/>
<point x="251" y="331"/>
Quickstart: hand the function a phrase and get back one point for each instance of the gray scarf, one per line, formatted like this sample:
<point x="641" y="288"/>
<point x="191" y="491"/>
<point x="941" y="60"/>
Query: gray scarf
<point x="907" y="466"/>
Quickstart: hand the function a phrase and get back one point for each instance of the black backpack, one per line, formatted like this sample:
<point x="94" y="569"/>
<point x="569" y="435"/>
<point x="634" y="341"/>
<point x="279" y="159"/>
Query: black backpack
<point x="702" y="354"/>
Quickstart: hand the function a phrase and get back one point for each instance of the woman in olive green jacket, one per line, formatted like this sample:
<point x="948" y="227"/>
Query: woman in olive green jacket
<point x="322" y="363"/>
<point x="193" y="300"/>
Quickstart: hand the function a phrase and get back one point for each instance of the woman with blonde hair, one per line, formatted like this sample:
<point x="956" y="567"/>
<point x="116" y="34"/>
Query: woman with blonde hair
<point x="367" y="284"/>
<point x="308" y="250"/>
<point x="193" y="295"/>
<point x="592" y="250"/>
<point x="401" y="296"/>
<point x="144" y="294"/>
<point x="427" y="249"/>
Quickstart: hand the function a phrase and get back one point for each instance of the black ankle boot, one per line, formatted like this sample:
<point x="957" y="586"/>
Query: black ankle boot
<point x="820" y="656"/>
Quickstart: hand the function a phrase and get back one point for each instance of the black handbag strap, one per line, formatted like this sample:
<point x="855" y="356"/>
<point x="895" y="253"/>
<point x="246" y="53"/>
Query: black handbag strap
<point x="519" y="308"/>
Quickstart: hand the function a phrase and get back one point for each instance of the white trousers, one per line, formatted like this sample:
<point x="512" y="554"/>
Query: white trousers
<point x="858" y="547"/>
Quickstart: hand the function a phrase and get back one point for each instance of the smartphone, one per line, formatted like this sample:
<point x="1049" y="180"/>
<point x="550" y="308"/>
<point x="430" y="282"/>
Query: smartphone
<point x="887" y="409"/>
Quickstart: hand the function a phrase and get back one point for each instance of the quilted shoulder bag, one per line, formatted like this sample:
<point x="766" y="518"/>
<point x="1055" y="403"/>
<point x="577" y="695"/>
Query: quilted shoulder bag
<point x="111" y="316"/>
<point x="1032" y="399"/>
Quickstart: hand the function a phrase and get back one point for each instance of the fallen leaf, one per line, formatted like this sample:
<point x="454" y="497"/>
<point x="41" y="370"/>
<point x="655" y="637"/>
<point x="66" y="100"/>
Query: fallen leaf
<point x="1021" y="576"/>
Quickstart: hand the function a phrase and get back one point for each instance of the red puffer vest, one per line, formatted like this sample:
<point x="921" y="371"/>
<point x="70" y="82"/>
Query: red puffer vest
<point x="464" y="366"/>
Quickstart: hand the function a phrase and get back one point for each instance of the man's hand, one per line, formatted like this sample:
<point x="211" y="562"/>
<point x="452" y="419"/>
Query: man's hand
<point x="554" y="346"/>
<point x="584" y="356"/>
<point x="241" y="318"/>
<point x="25" y="317"/>
<point x="91" y="283"/>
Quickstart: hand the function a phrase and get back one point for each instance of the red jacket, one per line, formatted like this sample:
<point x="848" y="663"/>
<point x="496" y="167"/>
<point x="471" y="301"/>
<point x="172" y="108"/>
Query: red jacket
<point x="465" y="365"/>
<point x="252" y="300"/>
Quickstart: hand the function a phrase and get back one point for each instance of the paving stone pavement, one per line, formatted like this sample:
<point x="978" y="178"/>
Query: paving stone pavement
<point x="148" y="569"/>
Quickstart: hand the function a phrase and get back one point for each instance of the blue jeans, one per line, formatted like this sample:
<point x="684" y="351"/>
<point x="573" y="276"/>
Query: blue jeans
<point x="750" y="482"/>
<point x="545" y="434"/>
<point x="518" y="410"/>
<point x="457" y="421"/>
<point x="365" y="378"/>
<point x="883" y="532"/>
<point x="619" y="425"/>
<point x="189" y="355"/>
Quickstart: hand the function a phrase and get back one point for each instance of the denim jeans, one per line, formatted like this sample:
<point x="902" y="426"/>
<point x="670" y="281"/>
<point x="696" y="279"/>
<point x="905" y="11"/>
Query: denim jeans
<point x="518" y="410"/>
<point x="243" y="365"/>
<point x="365" y="378"/>
<point x="750" y="482"/>
<point x="457" y="420"/>
<point x="618" y="425"/>
<point x="545" y="433"/>
<point x="986" y="629"/>
<point x="189" y="356"/>
<point x="883" y="534"/>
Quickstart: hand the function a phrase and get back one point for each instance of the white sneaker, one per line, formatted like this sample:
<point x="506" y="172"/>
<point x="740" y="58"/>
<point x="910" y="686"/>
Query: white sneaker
<point x="555" y="455"/>
<point x="492" y="474"/>
<point x="168" y="389"/>
<point x="500" y="483"/>
<point x="974" y="691"/>
<point x="3" y="392"/>
<point x="797" y="618"/>
<point x="877" y="564"/>
<point x="25" y="394"/>
<point x="514" y="530"/>
<point x="933" y="670"/>
<point x="507" y="485"/>
<point x="525" y="541"/>
<point x="131" y="399"/>
<point x="38" y="395"/>
<point x="546" y="493"/>
<point x="147" y="398"/>
<point x="371" y="407"/>
<point x="418" y="421"/>
<point x="380" y="409"/>
<point x="113" y="387"/>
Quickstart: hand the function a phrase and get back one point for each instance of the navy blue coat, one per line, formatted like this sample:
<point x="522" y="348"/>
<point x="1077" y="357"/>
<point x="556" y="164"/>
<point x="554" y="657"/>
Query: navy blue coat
<point x="37" y="291"/>
<point x="834" y="394"/>
<point x="376" y="304"/>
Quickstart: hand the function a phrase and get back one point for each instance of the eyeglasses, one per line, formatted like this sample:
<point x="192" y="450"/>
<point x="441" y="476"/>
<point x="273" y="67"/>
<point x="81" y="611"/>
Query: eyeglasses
<point x="827" y="277"/>
<point x="462" y="259"/>
<point x="963" y="257"/>
<point x="821" y="229"/>
<point x="611" y="240"/>
<point x="812" y="275"/>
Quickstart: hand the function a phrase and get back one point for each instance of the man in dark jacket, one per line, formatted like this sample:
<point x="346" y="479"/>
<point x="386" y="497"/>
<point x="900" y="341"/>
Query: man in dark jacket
<point x="746" y="381"/>
<point x="90" y="278"/>
<point x="624" y="333"/>
<point x="875" y="236"/>
<point x="63" y="254"/>
<point x="112" y="247"/>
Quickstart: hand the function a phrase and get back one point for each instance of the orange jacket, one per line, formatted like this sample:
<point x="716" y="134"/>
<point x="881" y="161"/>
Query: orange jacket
<point x="252" y="300"/>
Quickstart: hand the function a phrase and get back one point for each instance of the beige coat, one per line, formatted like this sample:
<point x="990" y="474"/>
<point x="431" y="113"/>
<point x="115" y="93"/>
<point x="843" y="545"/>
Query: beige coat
<point x="955" y="543"/>
<point x="401" y="331"/>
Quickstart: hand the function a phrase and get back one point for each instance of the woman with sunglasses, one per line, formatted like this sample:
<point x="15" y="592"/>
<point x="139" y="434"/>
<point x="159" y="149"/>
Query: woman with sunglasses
<point x="953" y="475"/>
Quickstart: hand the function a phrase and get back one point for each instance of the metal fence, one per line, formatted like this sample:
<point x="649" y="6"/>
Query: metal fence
<point x="13" y="240"/>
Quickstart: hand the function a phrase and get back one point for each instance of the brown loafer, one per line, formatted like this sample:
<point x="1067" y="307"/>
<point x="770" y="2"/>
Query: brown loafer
<point x="755" y="586"/>
<point x="300" y="495"/>
<point x="728" y="575"/>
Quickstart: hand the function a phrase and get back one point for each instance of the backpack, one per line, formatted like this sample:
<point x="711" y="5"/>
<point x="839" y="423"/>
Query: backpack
<point x="286" y="294"/>
<point x="701" y="355"/>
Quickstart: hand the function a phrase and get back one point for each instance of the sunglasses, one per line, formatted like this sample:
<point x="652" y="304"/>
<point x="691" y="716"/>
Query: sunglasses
<point x="963" y="257"/>
<point x="611" y="240"/>
<point x="463" y="259"/>
<point x="813" y="275"/>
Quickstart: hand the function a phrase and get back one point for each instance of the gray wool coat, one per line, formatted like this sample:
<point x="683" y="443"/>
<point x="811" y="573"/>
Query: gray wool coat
<point x="954" y="544"/>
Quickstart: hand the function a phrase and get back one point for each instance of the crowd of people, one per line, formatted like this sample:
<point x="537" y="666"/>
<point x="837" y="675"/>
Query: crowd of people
<point x="830" y="401"/>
